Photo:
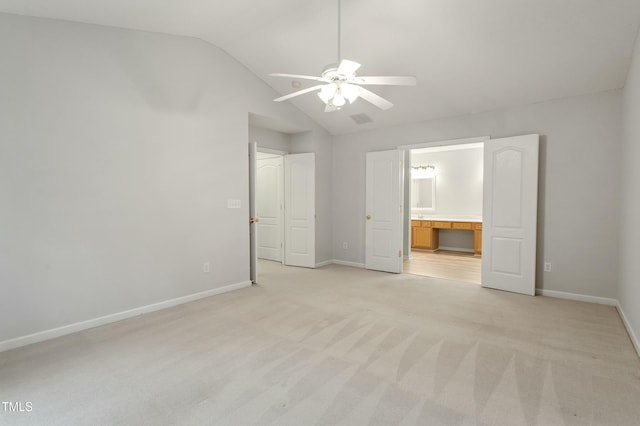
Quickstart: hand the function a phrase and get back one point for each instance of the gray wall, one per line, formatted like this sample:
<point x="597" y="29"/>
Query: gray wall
<point x="579" y="183"/>
<point x="629" y="285"/>
<point x="118" y="152"/>
<point x="270" y="138"/>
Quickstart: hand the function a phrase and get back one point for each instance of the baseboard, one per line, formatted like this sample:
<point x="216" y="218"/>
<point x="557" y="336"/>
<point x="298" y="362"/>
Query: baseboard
<point x="346" y="263"/>
<point x="578" y="297"/>
<point x="325" y="263"/>
<point x="464" y="250"/>
<point x="107" y="319"/>
<point x="630" y="332"/>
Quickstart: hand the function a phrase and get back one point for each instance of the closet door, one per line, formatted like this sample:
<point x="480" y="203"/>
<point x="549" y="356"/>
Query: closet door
<point x="300" y="210"/>
<point x="269" y="205"/>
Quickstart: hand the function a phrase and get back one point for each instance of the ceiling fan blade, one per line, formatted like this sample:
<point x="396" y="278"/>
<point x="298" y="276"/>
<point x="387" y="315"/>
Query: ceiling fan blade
<point x="377" y="100"/>
<point x="389" y="80"/>
<point x="302" y="77"/>
<point x="330" y="108"/>
<point x="348" y="67"/>
<point x="299" y="92"/>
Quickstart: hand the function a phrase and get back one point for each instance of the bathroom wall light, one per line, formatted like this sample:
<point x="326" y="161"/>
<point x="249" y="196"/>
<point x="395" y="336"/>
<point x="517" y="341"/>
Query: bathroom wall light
<point x="423" y="172"/>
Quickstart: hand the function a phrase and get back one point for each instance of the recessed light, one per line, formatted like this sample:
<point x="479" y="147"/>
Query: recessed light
<point x="295" y="84"/>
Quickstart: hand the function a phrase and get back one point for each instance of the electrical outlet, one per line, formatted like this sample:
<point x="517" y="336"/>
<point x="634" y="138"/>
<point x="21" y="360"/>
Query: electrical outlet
<point x="345" y="245"/>
<point x="547" y="266"/>
<point x="206" y="267"/>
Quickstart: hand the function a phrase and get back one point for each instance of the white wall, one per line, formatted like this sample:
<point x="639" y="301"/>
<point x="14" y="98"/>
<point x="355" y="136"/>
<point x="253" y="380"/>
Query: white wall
<point x="458" y="182"/>
<point x="118" y="152"/>
<point x="270" y="138"/>
<point x="579" y="183"/>
<point x="629" y="284"/>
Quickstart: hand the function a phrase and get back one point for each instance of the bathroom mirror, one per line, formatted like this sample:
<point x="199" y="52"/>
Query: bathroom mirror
<point x="423" y="192"/>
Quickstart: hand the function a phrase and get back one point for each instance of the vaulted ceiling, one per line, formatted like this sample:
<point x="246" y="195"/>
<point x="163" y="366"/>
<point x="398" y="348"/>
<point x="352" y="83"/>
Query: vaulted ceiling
<point x="468" y="55"/>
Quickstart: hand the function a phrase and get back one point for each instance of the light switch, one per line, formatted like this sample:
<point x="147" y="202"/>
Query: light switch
<point x="234" y="204"/>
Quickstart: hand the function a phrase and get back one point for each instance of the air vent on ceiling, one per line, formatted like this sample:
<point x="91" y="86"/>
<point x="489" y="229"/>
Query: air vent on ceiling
<point x="361" y="118"/>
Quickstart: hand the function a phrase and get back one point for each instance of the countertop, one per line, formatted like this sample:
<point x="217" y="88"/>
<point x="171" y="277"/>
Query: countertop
<point x="449" y="218"/>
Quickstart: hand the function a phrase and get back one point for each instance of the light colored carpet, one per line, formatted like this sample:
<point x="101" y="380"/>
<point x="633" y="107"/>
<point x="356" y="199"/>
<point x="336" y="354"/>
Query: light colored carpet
<point x="338" y="345"/>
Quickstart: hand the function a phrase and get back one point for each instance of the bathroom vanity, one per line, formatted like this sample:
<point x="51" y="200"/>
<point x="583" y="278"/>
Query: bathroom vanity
<point x="425" y="233"/>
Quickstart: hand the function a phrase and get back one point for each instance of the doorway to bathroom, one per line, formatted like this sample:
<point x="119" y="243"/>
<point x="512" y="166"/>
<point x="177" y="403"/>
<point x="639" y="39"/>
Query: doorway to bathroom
<point x="444" y="187"/>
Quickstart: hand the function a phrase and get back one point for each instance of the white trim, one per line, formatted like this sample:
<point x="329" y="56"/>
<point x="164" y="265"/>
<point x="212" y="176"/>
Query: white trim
<point x="325" y="263"/>
<point x="107" y="319"/>
<point x="270" y="151"/>
<point x="476" y="139"/>
<point x="630" y="332"/>
<point x="346" y="263"/>
<point x="578" y="297"/>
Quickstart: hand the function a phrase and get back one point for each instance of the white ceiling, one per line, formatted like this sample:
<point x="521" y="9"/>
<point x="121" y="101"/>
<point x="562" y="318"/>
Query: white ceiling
<point x="468" y="55"/>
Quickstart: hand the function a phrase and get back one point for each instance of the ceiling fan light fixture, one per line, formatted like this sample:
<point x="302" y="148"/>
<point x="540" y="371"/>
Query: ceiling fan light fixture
<point x="350" y="91"/>
<point x="327" y="93"/>
<point x="338" y="100"/>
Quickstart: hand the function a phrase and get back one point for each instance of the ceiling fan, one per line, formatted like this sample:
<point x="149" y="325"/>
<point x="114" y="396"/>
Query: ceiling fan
<point x="342" y="84"/>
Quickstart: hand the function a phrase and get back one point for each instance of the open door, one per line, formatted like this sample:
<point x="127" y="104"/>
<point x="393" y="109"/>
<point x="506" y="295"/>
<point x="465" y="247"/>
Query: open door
<point x="510" y="206"/>
<point x="269" y="204"/>
<point x="383" y="220"/>
<point x="300" y="210"/>
<point x="253" y="237"/>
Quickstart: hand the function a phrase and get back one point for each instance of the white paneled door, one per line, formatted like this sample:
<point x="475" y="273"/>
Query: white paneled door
<point x="299" y="202"/>
<point x="510" y="203"/>
<point x="383" y="211"/>
<point x="269" y="203"/>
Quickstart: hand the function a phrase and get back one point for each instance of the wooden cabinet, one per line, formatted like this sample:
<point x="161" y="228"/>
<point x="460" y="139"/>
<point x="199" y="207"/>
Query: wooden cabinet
<point x="425" y="233"/>
<point x="442" y="225"/>
<point x="477" y="238"/>
<point x="461" y="225"/>
<point x="423" y="236"/>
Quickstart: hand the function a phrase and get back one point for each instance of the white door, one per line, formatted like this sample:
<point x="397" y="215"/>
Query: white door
<point x="383" y="220"/>
<point x="300" y="209"/>
<point x="269" y="188"/>
<point x="510" y="204"/>
<point x="253" y="240"/>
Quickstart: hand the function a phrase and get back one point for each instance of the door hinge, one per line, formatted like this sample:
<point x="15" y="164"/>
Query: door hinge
<point x="400" y="209"/>
<point x="400" y="163"/>
<point x="399" y="253"/>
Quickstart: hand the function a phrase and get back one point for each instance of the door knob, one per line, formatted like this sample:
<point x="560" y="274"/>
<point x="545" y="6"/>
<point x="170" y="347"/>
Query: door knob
<point x="368" y="217"/>
<point x="254" y="220"/>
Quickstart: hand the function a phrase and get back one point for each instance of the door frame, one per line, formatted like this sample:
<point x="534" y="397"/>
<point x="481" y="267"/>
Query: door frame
<point x="407" y="149"/>
<point x="252" y="202"/>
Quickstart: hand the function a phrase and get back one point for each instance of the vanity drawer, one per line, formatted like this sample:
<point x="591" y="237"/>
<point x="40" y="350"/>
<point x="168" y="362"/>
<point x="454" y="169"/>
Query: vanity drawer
<point x="477" y="225"/>
<point x="426" y="224"/>
<point x="442" y="225"/>
<point x="415" y="223"/>
<point x="461" y="225"/>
